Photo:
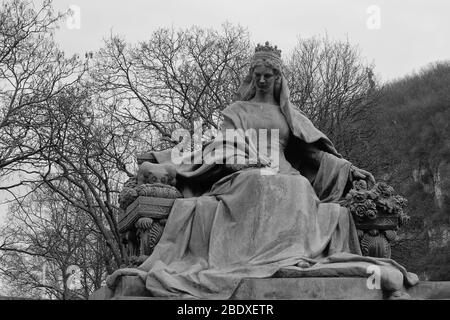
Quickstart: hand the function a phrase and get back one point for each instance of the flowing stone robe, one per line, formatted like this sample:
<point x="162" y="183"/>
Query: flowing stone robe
<point x="251" y="224"/>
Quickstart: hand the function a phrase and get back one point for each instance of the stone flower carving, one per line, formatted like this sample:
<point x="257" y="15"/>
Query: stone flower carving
<point x="369" y="204"/>
<point x="360" y="185"/>
<point x="384" y="190"/>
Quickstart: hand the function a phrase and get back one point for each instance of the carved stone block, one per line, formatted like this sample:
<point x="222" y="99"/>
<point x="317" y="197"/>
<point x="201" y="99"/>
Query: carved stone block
<point x="142" y="223"/>
<point x="144" y="207"/>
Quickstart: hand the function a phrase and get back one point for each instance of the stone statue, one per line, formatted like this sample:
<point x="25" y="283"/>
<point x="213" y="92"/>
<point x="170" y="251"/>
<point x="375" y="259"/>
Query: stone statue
<point x="249" y="211"/>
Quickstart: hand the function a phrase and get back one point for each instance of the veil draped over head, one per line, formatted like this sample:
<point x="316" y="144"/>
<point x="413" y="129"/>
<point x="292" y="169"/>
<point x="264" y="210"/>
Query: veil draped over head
<point x="298" y="122"/>
<point x="303" y="131"/>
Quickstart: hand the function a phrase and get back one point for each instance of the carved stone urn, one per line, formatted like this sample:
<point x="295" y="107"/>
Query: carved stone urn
<point x="378" y="214"/>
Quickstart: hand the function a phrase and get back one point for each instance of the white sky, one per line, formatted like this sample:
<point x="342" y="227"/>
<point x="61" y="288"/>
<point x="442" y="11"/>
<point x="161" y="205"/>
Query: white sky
<point x="411" y="34"/>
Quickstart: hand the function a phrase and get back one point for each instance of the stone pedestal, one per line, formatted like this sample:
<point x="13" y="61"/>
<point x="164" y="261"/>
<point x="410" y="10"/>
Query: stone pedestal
<point x="325" y="288"/>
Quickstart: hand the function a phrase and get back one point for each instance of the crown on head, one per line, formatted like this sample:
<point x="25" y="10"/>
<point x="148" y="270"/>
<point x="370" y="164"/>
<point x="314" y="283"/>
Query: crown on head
<point x="267" y="53"/>
<point x="268" y="49"/>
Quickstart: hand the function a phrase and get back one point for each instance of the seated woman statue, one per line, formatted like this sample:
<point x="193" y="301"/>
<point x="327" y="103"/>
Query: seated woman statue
<point x="239" y="220"/>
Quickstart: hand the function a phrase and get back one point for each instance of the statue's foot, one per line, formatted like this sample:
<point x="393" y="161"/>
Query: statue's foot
<point x="399" y="295"/>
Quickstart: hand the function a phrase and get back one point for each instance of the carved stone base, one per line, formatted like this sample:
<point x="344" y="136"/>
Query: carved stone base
<point x="376" y="243"/>
<point x="149" y="232"/>
<point x="142" y="225"/>
<point x="132" y="287"/>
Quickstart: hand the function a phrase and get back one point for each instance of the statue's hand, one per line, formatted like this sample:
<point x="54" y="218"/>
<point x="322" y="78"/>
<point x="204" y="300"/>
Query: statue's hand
<point x="360" y="174"/>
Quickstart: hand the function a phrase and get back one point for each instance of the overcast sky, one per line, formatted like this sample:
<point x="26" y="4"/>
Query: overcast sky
<point x="397" y="36"/>
<point x="407" y="35"/>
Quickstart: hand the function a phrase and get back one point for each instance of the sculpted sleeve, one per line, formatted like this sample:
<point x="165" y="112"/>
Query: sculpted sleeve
<point x="332" y="177"/>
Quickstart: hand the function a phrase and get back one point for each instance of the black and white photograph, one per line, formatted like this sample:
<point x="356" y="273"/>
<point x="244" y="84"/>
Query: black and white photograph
<point x="226" y="156"/>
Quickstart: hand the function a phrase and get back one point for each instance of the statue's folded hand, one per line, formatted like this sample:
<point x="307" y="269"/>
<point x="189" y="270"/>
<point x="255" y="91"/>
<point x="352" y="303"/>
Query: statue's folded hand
<point x="361" y="174"/>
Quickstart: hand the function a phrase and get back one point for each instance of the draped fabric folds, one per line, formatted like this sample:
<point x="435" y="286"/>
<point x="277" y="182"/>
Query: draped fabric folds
<point x="251" y="224"/>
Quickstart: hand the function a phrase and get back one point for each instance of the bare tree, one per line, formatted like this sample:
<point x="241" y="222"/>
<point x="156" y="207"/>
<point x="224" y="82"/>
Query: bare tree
<point x="90" y="157"/>
<point x="44" y="236"/>
<point x="50" y="130"/>
<point x="81" y="171"/>
<point x="174" y="79"/>
<point x="32" y="71"/>
<point x="330" y="82"/>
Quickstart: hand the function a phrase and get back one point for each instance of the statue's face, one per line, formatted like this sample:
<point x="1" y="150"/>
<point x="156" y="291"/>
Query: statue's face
<point x="264" y="78"/>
